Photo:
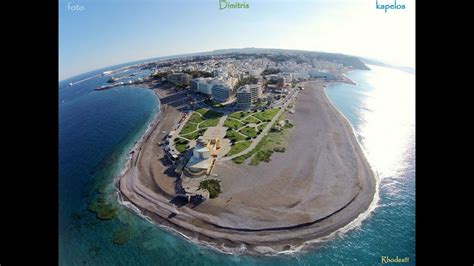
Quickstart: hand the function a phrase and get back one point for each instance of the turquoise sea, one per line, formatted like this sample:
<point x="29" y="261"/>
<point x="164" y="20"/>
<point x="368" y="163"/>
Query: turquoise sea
<point x="98" y="128"/>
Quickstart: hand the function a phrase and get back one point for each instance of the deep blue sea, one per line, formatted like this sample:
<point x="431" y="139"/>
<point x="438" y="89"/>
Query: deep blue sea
<point x="98" y="128"/>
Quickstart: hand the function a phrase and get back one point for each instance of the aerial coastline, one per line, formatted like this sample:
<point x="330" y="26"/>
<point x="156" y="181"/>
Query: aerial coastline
<point x="320" y="183"/>
<point x="215" y="133"/>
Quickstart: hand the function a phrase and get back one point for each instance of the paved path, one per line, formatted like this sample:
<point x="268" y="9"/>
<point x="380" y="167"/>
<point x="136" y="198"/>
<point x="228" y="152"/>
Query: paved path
<point x="221" y="121"/>
<point x="261" y="135"/>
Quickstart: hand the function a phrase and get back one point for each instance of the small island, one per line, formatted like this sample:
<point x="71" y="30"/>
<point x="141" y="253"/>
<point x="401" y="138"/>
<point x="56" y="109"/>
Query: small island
<point x="248" y="150"/>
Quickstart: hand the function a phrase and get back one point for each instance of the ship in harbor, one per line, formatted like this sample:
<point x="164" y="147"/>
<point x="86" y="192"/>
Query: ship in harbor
<point x="105" y="87"/>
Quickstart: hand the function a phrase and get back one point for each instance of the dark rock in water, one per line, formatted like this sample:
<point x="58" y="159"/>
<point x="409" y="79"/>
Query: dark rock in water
<point x="75" y="216"/>
<point x="123" y="235"/>
<point x="94" y="251"/>
<point x="102" y="189"/>
<point x="86" y="193"/>
<point x="107" y="214"/>
<point x="92" y="223"/>
<point x="77" y="227"/>
<point x="103" y="210"/>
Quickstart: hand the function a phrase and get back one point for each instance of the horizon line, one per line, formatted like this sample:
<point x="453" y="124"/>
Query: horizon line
<point x="210" y="51"/>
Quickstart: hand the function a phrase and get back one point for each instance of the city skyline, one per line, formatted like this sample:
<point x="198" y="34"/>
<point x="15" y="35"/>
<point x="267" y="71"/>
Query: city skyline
<point x="110" y="33"/>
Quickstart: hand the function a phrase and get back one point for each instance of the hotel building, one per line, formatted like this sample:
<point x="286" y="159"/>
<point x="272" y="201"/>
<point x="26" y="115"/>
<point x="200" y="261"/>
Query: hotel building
<point x="221" y="92"/>
<point x="255" y="91"/>
<point x="244" y="98"/>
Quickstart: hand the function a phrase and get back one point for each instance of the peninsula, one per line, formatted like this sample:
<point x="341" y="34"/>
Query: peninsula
<point x="264" y="161"/>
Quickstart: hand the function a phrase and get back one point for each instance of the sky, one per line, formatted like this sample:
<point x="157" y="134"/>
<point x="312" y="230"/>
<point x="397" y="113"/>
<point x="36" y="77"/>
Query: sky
<point x="104" y="33"/>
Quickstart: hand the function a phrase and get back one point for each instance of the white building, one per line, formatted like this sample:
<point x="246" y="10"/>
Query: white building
<point x="201" y="151"/>
<point x="205" y="88"/>
<point x="244" y="98"/>
<point x="280" y="90"/>
<point x="204" y="155"/>
<point x="288" y="77"/>
<point x="255" y="91"/>
<point x="300" y="75"/>
<point x="231" y="81"/>
<point x="255" y="72"/>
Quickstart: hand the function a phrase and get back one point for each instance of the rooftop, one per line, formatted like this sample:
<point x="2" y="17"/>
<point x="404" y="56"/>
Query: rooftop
<point x="199" y="163"/>
<point x="254" y="85"/>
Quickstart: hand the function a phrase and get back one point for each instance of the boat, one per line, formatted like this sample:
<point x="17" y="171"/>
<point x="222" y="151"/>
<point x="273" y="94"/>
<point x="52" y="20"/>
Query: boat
<point x="104" y="87"/>
<point x="70" y="84"/>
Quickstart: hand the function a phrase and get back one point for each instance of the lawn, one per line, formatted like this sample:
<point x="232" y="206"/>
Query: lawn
<point x="249" y="131"/>
<point x="261" y="155"/>
<point x="188" y="128"/>
<point x="208" y="114"/>
<point x="202" y="111"/>
<point x="251" y="119"/>
<point x="266" y="115"/>
<point x="232" y="123"/>
<point x="181" y="144"/>
<point x="209" y="123"/>
<point x="213" y="104"/>
<point x="204" y="117"/>
<point x="212" y="186"/>
<point x="288" y="125"/>
<point x="240" y="115"/>
<point x="240" y="159"/>
<point x="238" y="147"/>
<point x="234" y="136"/>
<point x="274" y="141"/>
<point x="262" y="126"/>
<point x="196" y="118"/>
<point x="194" y="135"/>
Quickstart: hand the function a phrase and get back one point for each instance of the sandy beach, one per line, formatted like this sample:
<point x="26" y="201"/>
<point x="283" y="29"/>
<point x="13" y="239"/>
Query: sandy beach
<point x="319" y="184"/>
